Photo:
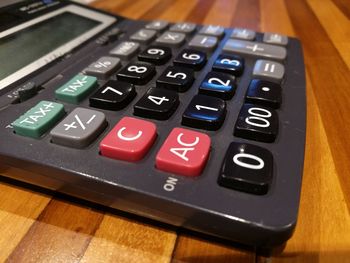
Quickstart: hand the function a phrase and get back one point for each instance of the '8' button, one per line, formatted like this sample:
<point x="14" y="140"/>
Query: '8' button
<point x="137" y="73"/>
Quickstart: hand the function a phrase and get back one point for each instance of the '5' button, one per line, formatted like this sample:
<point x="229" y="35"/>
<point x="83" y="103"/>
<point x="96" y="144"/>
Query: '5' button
<point x="129" y="140"/>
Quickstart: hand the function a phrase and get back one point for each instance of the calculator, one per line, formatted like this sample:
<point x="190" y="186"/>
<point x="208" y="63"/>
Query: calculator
<point x="197" y="126"/>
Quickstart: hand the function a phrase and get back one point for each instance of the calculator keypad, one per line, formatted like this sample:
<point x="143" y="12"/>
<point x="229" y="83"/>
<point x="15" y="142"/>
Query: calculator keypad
<point x="246" y="167"/>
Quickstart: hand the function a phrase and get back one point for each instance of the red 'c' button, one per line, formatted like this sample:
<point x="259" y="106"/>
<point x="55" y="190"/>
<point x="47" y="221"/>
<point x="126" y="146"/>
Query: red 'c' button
<point x="184" y="152"/>
<point x="129" y="140"/>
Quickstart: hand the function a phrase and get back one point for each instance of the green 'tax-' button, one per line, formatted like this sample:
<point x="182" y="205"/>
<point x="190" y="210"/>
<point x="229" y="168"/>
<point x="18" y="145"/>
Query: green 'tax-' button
<point x="76" y="89"/>
<point x="39" y="119"/>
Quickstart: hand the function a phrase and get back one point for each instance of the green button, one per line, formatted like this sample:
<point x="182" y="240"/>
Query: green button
<point x="76" y="89"/>
<point x="39" y="119"/>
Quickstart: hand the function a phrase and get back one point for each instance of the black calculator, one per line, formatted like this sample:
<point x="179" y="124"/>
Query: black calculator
<point x="197" y="126"/>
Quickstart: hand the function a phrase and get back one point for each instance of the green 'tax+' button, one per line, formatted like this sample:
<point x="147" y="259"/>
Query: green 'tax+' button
<point x="39" y="119"/>
<point x="76" y="89"/>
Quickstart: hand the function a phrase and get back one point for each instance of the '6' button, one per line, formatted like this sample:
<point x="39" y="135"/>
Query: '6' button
<point x="129" y="140"/>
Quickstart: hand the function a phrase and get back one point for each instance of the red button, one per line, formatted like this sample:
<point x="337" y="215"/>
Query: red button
<point x="184" y="152"/>
<point x="129" y="140"/>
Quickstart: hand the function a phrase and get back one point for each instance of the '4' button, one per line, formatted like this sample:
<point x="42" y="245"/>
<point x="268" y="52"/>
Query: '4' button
<point x="205" y="112"/>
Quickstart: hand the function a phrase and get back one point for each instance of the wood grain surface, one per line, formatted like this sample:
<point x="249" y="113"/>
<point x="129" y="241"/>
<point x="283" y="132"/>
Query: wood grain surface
<point x="38" y="227"/>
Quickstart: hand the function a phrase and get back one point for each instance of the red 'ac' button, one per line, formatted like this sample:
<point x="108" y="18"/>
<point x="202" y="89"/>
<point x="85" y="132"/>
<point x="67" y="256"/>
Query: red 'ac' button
<point x="184" y="152"/>
<point x="129" y="140"/>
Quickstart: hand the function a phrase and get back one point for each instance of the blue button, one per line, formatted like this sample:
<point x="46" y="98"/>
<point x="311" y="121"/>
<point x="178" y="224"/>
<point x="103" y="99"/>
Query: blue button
<point x="230" y="64"/>
<point x="218" y="84"/>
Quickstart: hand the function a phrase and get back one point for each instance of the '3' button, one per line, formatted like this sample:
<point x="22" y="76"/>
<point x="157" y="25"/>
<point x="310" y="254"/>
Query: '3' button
<point x="129" y="140"/>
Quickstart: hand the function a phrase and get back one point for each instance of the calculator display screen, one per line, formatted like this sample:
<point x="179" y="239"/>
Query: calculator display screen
<point x="33" y="46"/>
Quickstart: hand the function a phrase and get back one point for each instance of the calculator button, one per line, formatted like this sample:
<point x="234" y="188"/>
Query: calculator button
<point x="103" y="67"/>
<point x="36" y="121"/>
<point x="233" y="65"/>
<point x="144" y="35"/>
<point x="157" y="104"/>
<point x="176" y="78"/>
<point x="215" y="31"/>
<point x="273" y="38"/>
<point x="76" y="89"/>
<point x="257" y="123"/>
<point x="27" y="91"/>
<point x="191" y="58"/>
<point x="255" y="49"/>
<point x="79" y="128"/>
<point x="129" y="140"/>
<point x="156" y="54"/>
<point x="242" y="33"/>
<point x="268" y="69"/>
<point x="137" y="73"/>
<point x="114" y="95"/>
<point x="171" y="39"/>
<point x="205" y="112"/>
<point x="184" y="152"/>
<point x="158" y="25"/>
<point x="125" y="50"/>
<point x="185" y="28"/>
<point x="219" y="85"/>
<point x="203" y="42"/>
<point x="264" y="93"/>
<point x="247" y="168"/>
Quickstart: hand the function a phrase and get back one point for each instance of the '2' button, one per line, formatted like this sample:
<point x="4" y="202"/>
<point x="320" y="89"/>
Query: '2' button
<point x="184" y="152"/>
<point x="129" y="140"/>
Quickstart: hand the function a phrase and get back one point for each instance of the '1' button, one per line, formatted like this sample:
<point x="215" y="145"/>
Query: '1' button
<point x="129" y="140"/>
<point x="184" y="152"/>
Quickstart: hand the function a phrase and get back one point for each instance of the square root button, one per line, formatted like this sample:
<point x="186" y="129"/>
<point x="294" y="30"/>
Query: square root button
<point x="79" y="128"/>
<point x="129" y="140"/>
<point x="184" y="152"/>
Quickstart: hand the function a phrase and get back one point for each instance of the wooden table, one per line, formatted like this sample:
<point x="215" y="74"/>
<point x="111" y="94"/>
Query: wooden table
<point x="37" y="227"/>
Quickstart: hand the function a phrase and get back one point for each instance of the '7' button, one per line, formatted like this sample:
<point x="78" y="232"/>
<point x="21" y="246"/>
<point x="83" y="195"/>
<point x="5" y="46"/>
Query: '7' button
<point x="184" y="152"/>
<point x="129" y="140"/>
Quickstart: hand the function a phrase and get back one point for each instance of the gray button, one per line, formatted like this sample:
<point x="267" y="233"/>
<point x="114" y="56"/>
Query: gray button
<point x="203" y="42"/>
<point x="273" y="38"/>
<point x="171" y="39"/>
<point x="79" y="128"/>
<point x="215" y="31"/>
<point x="125" y="49"/>
<point x="144" y="35"/>
<point x="103" y="67"/>
<point x="242" y="33"/>
<point x="158" y="25"/>
<point x="255" y="49"/>
<point x="268" y="69"/>
<point x="183" y="28"/>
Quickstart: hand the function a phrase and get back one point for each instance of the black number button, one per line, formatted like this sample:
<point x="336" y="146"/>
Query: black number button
<point x="176" y="78"/>
<point x="265" y="93"/>
<point x="157" y="104"/>
<point x="191" y="58"/>
<point x="257" y="123"/>
<point x="114" y="95"/>
<point x="137" y="73"/>
<point x="156" y="54"/>
<point x="233" y="65"/>
<point x="247" y="168"/>
<point x="218" y="84"/>
<point x="205" y="112"/>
